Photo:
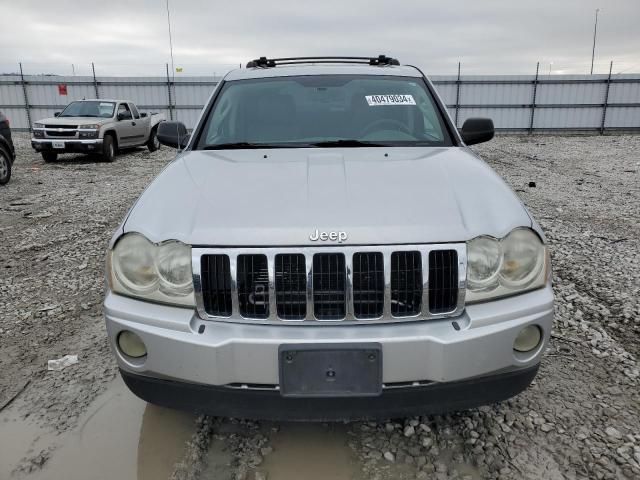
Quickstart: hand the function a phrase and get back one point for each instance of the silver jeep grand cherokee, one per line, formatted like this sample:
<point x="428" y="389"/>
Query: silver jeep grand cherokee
<point x="326" y="246"/>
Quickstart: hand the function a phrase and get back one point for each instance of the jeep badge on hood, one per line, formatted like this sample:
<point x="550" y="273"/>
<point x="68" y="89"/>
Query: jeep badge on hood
<point x="324" y="236"/>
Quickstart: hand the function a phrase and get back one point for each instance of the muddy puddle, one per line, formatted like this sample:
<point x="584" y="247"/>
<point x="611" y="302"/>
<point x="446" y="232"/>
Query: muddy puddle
<point x="119" y="436"/>
<point x="321" y="451"/>
<point x="122" y="437"/>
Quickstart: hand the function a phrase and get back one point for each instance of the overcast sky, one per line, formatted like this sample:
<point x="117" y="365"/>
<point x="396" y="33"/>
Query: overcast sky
<point x="490" y="36"/>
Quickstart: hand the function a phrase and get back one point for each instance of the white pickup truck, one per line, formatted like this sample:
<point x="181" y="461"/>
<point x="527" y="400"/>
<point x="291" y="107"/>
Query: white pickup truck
<point x="99" y="127"/>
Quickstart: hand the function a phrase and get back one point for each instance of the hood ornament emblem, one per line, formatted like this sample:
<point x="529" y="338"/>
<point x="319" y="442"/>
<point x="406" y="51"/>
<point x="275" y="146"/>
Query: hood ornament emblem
<point x="328" y="236"/>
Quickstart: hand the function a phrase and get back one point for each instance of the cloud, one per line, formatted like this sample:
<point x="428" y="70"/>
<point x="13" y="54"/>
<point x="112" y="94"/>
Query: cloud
<point x="492" y="36"/>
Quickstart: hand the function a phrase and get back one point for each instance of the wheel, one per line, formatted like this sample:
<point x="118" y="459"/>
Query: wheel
<point x="5" y="167"/>
<point x="49" y="156"/>
<point x="153" y="143"/>
<point x="108" y="149"/>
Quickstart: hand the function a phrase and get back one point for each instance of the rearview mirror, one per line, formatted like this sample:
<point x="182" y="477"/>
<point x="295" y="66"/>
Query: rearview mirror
<point x="477" y="130"/>
<point x="173" y="134"/>
<point x="56" y="114"/>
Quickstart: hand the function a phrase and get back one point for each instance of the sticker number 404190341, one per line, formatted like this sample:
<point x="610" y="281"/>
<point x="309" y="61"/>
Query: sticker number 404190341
<point x="375" y="100"/>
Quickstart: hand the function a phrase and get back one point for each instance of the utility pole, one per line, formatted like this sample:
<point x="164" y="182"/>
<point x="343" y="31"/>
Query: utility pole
<point x="595" y="32"/>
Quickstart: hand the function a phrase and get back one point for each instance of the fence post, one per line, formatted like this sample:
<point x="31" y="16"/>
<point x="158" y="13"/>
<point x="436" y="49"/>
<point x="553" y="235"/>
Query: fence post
<point x="457" y="95"/>
<point x="533" y="100"/>
<point x="95" y="82"/>
<point x="606" y="100"/>
<point x="26" y="97"/>
<point x="169" y="92"/>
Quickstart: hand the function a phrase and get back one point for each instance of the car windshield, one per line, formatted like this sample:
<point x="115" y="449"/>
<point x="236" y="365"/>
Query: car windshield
<point x="324" y="111"/>
<point x="89" y="108"/>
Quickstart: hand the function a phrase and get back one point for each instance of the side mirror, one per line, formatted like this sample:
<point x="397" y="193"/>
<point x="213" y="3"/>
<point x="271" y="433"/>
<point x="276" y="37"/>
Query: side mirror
<point x="56" y="114"/>
<point x="143" y="115"/>
<point x="477" y="130"/>
<point x="173" y="134"/>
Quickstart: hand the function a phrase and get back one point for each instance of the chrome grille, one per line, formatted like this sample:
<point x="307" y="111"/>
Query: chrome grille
<point x="344" y="284"/>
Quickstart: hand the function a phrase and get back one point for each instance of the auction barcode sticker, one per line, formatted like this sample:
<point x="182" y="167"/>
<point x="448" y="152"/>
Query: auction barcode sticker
<point x="375" y="100"/>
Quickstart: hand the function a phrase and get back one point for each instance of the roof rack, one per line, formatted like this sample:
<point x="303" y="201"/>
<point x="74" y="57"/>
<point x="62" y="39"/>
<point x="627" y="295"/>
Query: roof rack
<point x="264" y="62"/>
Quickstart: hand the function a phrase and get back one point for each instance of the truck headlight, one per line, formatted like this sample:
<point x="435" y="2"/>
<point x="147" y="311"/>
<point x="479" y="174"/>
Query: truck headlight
<point x="154" y="272"/>
<point x="514" y="264"/>
<point x="38" y="125"/>
<point x="91" y="126"/>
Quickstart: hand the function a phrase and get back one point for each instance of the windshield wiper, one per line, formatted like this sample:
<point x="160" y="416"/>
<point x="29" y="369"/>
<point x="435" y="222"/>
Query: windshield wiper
<point x="348" y="143"/>
<point x="250" y="145"/>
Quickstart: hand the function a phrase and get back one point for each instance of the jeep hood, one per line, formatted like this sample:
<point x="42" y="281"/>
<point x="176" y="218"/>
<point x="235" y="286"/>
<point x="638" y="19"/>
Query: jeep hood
<point x="279" y="197"/>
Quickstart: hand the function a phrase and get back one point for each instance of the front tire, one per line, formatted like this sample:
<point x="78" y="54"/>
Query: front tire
<point x="108" y="149"/>
<point x="49" y="156"/>
<point x="153" y="143"/>
<point x="5" y="167"/>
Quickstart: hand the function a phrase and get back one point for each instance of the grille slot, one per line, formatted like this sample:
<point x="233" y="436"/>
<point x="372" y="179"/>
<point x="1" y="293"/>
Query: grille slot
<point x="406" y="283"/>
<point x="368" y="284"/>
<point x="291" y="286"/>
<point x="253" y="286"/>
<point x="443" y="281"/>
<point x="216" y="284"/>
<point x="329" y="282"/>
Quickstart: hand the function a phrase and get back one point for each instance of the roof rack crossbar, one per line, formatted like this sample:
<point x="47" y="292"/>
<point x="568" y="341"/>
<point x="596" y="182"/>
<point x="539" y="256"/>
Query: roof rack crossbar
<point x="264" y="62"/>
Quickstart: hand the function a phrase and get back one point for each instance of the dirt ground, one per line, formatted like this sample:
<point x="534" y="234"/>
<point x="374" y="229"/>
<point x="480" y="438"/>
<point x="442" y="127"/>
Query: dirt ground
<point x="580" y="419"/>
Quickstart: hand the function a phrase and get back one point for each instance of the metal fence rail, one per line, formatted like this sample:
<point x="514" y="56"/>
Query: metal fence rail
<point x="517" y="103"/>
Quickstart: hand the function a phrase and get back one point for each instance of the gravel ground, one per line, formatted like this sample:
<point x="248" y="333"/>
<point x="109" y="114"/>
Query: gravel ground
<point x="581" y="418"/>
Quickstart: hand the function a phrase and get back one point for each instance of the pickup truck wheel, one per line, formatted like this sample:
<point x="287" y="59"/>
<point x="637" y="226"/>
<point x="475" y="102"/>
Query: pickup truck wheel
<point x="49" y="156"/>
<point x="153" y="143"/>
<point x="108" y="149"/>
<point x="5" y="167"/>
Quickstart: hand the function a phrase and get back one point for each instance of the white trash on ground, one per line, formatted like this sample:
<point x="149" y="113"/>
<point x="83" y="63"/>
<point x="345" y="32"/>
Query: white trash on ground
<point x="60" y="363"/>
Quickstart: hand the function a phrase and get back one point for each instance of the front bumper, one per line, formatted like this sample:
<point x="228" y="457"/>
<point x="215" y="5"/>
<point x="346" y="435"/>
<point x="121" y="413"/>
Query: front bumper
<point x="93" y="145"/>
<point x="270" y="405"/>
<point x="182" y="347"/>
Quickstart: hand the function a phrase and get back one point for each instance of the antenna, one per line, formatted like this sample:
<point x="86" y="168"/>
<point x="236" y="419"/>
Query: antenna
<point x="595" y="31"/>
<point x="173" y="70"/>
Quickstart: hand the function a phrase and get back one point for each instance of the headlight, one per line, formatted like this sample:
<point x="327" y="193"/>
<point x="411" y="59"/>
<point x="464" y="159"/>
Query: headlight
<point x="38" y="125"/>
<point x="174" y="268"/>
<point x="484" y="257"/>
<point x="497" y="268"/>
<point x="158" y="273"/>
<point x="523" y="258"/>
<point x="92" y="126"/>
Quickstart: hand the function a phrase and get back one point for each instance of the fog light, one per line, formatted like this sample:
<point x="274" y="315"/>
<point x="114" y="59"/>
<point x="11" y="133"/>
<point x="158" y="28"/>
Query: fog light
<point x="131" y="344"/>
<point x="528" y="339"/>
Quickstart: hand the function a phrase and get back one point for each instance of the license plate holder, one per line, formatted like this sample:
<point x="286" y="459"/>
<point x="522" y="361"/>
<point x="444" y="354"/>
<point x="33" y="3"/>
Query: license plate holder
<point x="58" y="145"/>
<point x="330" y="370"/>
